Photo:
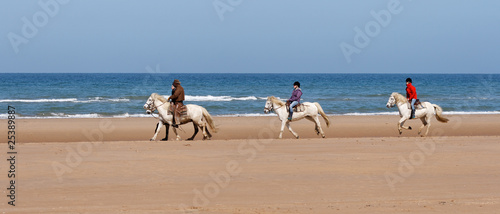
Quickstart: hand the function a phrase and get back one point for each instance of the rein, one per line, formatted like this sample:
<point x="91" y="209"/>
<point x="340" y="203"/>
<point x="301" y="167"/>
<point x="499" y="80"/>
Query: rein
<point x="158" y="118"/>
<point x="154" y="109"/>
<point x="272" y="108"/>
<point x="152" y="115"/>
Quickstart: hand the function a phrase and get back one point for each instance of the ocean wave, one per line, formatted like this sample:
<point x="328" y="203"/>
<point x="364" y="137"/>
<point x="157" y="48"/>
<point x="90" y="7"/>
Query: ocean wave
<point x="472" y="112"/>
<point x="100" y="99"/>
<point x="246" y="115"/>
<point x="66" y="100"/>
<point x="127" y="115"/>
<point x="370" y="114"/>
<point x="39" y="100"/>
<point x="195" y="98"/>
<point x="62" y="116"/>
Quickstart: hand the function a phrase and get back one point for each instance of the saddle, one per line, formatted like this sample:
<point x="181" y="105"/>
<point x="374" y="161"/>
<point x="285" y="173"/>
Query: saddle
<point x="418" y="105"/>
<point x="181" y="109"/>
<point x="298" y="108"/>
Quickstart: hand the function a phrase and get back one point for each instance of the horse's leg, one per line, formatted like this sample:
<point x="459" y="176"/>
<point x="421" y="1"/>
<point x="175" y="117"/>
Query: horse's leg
<point x="158" y="127"/>
<point x="204" y="128"/>
<point x="424" y="123"/>
<point x="318" y="127"/>
<point x="290" y="128"/>
<point x="177" y="137"/>
<point x="195" y="131"/>
<point x="401" y="124"/>
<point x="208" y="133"/>
<point x="428" y="120"/>
<point x="283" y="122"/>
<point x="167" y="126"/>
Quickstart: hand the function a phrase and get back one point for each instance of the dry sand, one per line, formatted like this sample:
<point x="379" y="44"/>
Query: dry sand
<point x="362" y="166"/>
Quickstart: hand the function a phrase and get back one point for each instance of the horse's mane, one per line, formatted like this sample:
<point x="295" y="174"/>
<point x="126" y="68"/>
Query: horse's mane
<point x="399" y="98"/>
<point x="159" y="97"/>
<point x="276" y="101"/>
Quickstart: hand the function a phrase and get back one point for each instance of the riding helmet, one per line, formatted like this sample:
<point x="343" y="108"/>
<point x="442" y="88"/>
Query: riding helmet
<point x="297" y="84"/>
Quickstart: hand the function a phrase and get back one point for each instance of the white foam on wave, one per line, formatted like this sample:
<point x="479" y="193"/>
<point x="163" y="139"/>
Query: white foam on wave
<point x="246" y="115"/>
<point x="446" y="113"/>
<point x="39" y="100"/>
<point x="473" y="112"/>
<point x="62" y="116"/>
<point x="127" y="115"/>
<point x="70" y="100"/>
<point x="100" y="99"/>
<point x="369" y="114"/>
<point x="196" y="98"/>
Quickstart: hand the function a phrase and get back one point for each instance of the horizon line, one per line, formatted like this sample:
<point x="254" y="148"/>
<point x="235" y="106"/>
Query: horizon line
<point x="223" y="73"/>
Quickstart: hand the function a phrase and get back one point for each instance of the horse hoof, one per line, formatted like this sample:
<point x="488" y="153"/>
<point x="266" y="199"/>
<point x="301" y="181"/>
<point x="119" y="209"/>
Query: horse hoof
<point x="323" y="136"/>
<point x="164" y="139"/>
<point x="189" y="139"/>
<point x="151" y="139"/>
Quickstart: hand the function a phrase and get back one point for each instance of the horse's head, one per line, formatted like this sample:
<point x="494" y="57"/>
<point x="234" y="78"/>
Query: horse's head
<point x="149" y="105"/>
<point x="269" y="105"/>
<point x="391" y="102"/>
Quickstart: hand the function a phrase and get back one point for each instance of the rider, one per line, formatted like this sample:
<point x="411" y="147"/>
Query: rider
<point x="177" y="99"/>
<point x="295" y="99"/>
<point x="411" y="95"/>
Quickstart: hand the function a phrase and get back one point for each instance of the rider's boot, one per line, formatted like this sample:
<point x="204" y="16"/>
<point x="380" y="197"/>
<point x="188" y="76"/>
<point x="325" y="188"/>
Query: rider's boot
<point x="175" y="122"/>
<point x="412" y="114"/>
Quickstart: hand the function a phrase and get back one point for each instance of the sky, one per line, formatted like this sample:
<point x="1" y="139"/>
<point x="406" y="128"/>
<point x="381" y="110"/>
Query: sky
<point x="250" y="36"/>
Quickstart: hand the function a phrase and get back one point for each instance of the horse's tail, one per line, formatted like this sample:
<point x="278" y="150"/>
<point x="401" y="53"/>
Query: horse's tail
<point x="320" y="111"/>
<point x="209" y="119"/>
<point x="439" y="114"/>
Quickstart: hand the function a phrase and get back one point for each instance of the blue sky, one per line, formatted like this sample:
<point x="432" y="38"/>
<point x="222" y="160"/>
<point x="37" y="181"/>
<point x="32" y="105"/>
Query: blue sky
<point x="246" y="36"/>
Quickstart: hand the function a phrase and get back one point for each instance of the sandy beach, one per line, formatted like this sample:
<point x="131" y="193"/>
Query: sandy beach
<point x="362" y="166"/>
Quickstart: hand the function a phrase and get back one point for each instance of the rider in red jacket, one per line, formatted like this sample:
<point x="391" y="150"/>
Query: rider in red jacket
<point x="411" y="95"/>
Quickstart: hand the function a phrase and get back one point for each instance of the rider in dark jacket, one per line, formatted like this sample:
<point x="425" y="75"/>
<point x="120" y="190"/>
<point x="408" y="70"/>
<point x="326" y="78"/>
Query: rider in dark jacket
<point x="177" y="99"/>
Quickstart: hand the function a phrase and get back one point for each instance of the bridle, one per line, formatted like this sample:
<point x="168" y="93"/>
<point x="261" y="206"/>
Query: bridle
<point x="268" y="109"/>
<point x="153" y="108"/>
<point x="272" y="107"/>
<point x="392" y="101"/>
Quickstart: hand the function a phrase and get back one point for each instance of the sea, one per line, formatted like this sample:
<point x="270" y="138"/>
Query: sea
<point x="122" y="95"/>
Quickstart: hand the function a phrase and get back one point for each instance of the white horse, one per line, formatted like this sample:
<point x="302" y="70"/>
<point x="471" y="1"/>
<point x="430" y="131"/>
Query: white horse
<point x="196" y="114"/>
<point x="425" y="113"/>
<point x="311" y="113"/>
